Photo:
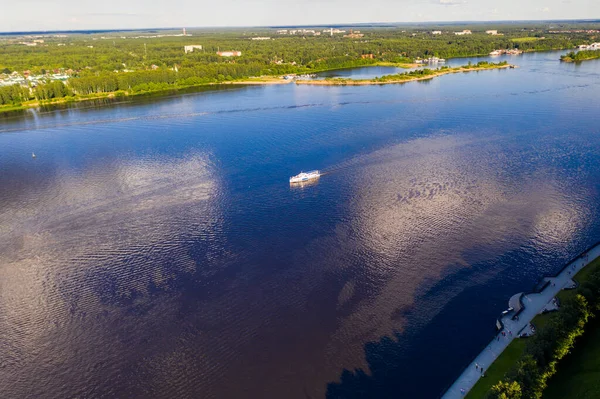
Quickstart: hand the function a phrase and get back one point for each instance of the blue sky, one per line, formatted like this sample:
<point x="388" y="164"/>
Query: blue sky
<point x="27" y="15"/>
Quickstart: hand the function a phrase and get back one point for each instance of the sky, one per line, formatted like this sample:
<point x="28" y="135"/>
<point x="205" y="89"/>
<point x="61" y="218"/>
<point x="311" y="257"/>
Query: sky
<point x="32" y="15"/>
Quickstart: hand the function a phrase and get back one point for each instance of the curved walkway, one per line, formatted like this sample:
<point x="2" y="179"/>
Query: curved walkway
<point x="510" y="326"/>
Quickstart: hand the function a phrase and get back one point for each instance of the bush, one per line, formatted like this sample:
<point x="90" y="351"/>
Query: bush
<point x="505" y="390"/>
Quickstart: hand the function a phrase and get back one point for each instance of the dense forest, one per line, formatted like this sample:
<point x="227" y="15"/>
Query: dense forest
<point x="154" y="60"/>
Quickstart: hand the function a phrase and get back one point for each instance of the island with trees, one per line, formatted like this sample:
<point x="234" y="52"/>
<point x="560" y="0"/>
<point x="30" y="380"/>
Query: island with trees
<point x="579" y="56"/>
<point x="419" y="74"/>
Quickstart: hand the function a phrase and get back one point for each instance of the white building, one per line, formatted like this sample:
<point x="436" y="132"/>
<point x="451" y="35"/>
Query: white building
<point x="191" y="48"/>
<point x="260" y="38"/>
<point x="436" y="32"/>
<point x="492" y="32"/>
<point x="593" y="46"/>
<point x="333" y="31"/>
<point x="464" y="32"/>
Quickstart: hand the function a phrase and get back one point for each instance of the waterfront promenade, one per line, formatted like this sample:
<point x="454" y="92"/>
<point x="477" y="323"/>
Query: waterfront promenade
<point x="533" y="304"/>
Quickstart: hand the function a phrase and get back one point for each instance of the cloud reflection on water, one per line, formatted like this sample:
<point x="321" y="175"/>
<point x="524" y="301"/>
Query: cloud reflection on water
<point x="420" y="207"/>
<point x="93" y="239"/>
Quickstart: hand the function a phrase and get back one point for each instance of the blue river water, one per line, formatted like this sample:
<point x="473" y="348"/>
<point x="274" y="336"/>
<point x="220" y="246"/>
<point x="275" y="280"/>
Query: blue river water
<point x="154" y="248"/>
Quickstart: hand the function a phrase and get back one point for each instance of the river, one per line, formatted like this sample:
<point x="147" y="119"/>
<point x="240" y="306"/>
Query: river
<point x="154" y="248"/>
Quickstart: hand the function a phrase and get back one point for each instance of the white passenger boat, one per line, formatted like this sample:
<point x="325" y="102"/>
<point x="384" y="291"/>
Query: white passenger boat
<point x="305" y="176"/>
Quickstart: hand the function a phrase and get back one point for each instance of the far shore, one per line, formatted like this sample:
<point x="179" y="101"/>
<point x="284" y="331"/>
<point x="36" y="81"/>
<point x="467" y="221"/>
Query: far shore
<point x="263" y="80"/>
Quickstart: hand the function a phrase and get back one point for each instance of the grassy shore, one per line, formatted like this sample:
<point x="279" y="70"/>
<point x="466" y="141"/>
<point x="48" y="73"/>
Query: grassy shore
<point x="507" y="359"/>
<point x="267" y="80"/>
<point x="513" y="352"/>
<point x="403" y="77"/>
<point x="496" y="371"/>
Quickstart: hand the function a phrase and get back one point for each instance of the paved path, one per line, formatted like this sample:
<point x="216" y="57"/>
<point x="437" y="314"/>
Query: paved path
<point x="533" y="304"/>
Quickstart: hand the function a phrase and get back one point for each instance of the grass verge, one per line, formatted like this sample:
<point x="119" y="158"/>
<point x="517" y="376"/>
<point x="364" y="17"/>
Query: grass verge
<point x="578" y="375"/>
<point x="496" y="371"/>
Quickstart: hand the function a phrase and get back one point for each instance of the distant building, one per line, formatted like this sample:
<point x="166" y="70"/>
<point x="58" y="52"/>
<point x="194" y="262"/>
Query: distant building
<point x="282" y="32"/>
<point x="464" y="32"/>
<point x="154" y="67"/>
<point x="492" y="32"/>
<point x="436" y="32"/>
<point x="354" y="34"/>
<point x="191" y="48"/>
<point x="260" y="38"/>
<point x="229" y="53"/>
<point x="333" y="31"/>
<point x="593" y="46"/>
<point x="365" y="56"/>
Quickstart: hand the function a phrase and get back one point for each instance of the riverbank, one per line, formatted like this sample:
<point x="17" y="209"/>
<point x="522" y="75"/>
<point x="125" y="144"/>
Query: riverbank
<point x="404" y="77"/>
<point x="262" y="80"/>
<point x="523" y="308"/>
<point x="270" y="80"/>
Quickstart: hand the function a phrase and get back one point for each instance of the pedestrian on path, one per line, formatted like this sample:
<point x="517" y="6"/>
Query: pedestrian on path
<point x="476" y="366"/>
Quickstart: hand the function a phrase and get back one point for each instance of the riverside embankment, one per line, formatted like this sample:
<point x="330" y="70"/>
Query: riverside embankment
<point x="523" y="307"/>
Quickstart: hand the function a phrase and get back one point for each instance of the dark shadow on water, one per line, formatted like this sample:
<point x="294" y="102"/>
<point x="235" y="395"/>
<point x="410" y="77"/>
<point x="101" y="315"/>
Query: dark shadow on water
<point x="396" y="365"/>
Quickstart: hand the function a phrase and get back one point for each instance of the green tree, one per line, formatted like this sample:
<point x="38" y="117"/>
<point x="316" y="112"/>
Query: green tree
<point x="505" y="390"/>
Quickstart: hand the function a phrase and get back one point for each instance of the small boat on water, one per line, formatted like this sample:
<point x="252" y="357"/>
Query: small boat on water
<point x="32" y="155"/>
<point x="305" y="176"/>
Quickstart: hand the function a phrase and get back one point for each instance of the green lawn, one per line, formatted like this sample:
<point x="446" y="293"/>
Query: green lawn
<point x="541" y="320"/>
<point x="578" y="374"/>
<point x="496" y="371"/>
<point x="525" y="39"/>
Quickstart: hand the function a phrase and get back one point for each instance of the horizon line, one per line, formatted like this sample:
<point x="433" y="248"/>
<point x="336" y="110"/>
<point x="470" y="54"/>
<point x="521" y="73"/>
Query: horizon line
<point x="350" y="24"/>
